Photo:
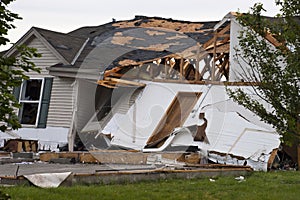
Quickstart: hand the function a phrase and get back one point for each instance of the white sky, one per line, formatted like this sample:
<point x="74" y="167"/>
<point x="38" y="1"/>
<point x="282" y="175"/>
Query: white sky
<point x="67" y="15"/>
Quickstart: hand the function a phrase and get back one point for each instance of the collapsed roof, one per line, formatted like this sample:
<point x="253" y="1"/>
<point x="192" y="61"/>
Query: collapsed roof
<point x="124" y="45"/>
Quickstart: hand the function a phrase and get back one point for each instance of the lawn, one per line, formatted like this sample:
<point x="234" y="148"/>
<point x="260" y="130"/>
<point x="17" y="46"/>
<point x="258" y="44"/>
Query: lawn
<point x="258" y="185"/>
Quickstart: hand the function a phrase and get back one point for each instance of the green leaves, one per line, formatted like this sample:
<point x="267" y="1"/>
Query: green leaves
<point x="270" y="46"/>
<point x="12" y="69"/>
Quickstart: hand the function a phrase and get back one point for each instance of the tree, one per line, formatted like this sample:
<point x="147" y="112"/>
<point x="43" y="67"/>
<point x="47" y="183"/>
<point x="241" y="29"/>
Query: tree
<point x="12" y="69"/>
<point x="276" y="67"/>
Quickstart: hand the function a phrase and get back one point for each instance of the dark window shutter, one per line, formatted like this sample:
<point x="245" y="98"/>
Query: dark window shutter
<point x="45" y="103"/>
<point x="16" y="92"/>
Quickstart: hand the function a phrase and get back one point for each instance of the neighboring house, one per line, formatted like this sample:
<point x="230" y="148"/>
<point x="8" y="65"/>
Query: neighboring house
<point x="141" y="84"/>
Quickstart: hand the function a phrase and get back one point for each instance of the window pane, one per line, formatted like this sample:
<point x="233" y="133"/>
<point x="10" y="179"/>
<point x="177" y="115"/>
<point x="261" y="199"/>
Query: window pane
<point x="28" y="113"/>
<point x="31" y="90"/>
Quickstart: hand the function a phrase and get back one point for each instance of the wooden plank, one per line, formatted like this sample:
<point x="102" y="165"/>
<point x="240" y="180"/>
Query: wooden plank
<point x="46" y="157"/>
<point x="208" y="43"/>
<point x="106" y="85"/>
<point x="19" y="147"/>
<point x="218" y="34"/>
<point x="272" y="157"/>
<point x="206" y="82"/>
<point x="224" y="30"/>
<point x="83" y="157"/>
<point x="123" y="81"/>
<point x="112" y="71"/>
<point x="214" y="56"/>
<point x="273" y="40"/>
<point x="190" y="158"/>
<point x="87" y="158"/>
<point x="27" y="146"/>
<point x="34" y="147"/>
<point x="197" y="63"/>
<point x="127" y="157"/>
<point x="181" y="69"/>
<point x="223" y="35"/>
<point x="219" y="57"/>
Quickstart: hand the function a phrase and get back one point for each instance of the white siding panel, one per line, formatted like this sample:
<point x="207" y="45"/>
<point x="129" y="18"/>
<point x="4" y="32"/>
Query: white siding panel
<point x="61" y="103"/>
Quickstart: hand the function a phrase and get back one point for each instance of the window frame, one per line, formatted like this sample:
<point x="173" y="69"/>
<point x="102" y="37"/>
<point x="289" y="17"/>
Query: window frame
<point x="39" y="102"/>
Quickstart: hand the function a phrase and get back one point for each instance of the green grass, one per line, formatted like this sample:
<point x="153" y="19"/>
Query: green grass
<point x="258" y="185"/>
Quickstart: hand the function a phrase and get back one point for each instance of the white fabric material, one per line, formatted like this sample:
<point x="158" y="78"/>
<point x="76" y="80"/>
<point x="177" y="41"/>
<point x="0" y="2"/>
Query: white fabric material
<point x="48" y="180"/>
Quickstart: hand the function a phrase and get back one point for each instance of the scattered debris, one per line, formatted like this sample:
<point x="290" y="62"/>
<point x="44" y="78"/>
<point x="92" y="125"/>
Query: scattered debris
<point x="240" y="178"/>
<point x="21" y="145"/>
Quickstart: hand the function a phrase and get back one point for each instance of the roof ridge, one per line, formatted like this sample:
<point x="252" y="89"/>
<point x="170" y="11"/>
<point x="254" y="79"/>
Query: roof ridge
<point x="56" y="32"/>
<point x="137" y="17"/>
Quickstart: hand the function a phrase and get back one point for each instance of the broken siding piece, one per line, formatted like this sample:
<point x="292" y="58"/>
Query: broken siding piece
<point x="175" y="116"/>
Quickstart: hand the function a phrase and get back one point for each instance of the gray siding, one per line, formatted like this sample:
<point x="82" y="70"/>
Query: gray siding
<point x="86" y="100"/>
<point x="61" y="103"/>
<point x="61" y="106"/>
<point x="48" y="58"/>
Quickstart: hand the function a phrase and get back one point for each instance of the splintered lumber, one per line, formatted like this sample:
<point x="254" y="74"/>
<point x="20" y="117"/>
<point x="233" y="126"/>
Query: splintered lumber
<point x="122" y="81"/>
<point x="114" y="82"/>
<point x="106" y="84"/>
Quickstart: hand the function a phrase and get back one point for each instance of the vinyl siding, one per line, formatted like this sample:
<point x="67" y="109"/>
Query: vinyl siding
<point x="61" y="103"/>
<point x="48" y="58"/>
<point x="61" y="106"/>
<point x="86" y="100"/>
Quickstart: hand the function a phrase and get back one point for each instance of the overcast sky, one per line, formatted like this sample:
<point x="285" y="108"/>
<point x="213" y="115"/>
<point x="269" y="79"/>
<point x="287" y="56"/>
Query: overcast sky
<point x="67" y="15"/>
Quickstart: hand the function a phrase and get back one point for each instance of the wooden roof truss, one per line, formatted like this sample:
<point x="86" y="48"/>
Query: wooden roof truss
<point x="211" y="63"/>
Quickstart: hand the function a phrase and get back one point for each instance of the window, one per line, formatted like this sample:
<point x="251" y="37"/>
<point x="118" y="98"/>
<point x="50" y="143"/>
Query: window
<point x="34" y="96"/>
<point x="30" y="100"/>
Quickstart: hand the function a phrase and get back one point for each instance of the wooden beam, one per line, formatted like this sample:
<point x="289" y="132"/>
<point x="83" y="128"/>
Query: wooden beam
<point x="166" y="69"/>
<point x="106" y="85"/>
<point x="221" y="68"/>
<point x="219" y="34"/>
<point x="181" y="69"/>
<point x="197" y="63"/>
<point x="214" y="56"/>
<point x="206" y="82"/>
<point x="273" y="40"/>
<point x="114" y="70"/>
<point x="224" y="30"/>
<point x="206" y="66"/>
<point x="219" y="57"/>
<point x="208" y="43"/>
<point x="223" y="35"/>
<point x="127" y="82"/>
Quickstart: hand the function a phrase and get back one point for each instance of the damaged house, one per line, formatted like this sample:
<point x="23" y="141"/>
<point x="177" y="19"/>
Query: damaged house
<point x="148" y="84"/>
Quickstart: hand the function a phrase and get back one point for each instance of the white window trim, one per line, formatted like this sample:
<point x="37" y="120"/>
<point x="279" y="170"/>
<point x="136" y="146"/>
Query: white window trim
<point x="39" y="102"/>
